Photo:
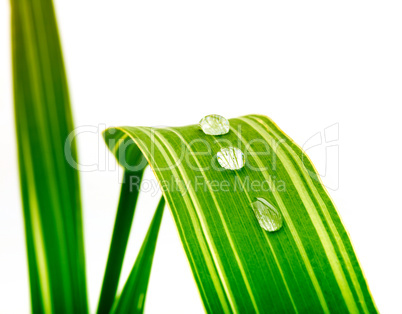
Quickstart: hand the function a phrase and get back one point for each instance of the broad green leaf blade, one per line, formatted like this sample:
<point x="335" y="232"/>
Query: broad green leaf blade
<point x="50" y="186"/>
<point x="132" y="298"/>
<point x="121" y="232"/>
<point x="307" y="266"/>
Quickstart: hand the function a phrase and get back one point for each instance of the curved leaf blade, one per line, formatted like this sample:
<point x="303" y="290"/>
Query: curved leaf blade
<point x="307" y="266"/>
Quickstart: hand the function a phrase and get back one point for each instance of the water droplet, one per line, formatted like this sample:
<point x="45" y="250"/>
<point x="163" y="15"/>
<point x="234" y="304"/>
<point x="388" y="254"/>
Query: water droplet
<point x="214" y="125"/>
<point x="267" y="215"/>
<point x="231" y="158"/>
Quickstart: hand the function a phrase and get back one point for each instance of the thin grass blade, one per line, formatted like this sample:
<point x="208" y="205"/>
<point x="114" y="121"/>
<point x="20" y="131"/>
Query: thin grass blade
<point x="121" y="232"/>
<point x="49" y="185"/>
<point x="132" y="297"/>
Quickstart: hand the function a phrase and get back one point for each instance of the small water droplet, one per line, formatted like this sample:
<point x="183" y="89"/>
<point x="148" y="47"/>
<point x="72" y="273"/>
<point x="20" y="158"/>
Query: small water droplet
<point x="267" y="215"/>
<point x="231" y="158"/>
<point x="214" y="125"/>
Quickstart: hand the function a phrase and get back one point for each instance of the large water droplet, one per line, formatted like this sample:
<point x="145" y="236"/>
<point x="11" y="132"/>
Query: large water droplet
<point x="214" y="125"/>
<point x="231" y="158"/>
<point x="267" y="215"/>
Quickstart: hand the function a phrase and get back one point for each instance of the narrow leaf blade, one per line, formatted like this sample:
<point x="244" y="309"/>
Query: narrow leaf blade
<point x="121" y="232"/>
<point x="49" y="185"/>
<point x="132" y="298"/>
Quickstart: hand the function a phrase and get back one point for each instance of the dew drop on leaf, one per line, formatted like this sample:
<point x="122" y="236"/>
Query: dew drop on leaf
<point x="267" y="215"/>
<point x="231" y="158"/>
<point x="214" y="125"/>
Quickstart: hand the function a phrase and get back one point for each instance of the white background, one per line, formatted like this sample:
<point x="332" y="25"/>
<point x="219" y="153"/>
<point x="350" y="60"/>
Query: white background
<point x="306" y="64"/>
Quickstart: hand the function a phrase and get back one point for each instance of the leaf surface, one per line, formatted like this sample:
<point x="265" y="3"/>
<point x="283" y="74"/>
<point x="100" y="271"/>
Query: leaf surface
<point x="50" y="186"/>
<point x="307" y="266"/>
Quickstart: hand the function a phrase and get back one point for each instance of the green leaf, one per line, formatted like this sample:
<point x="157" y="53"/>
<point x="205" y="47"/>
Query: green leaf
<point x="307" y="266"/>
<point x="121" y="232"/>
<point x="50" y="186"/>
<point x="132" y="297"/>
